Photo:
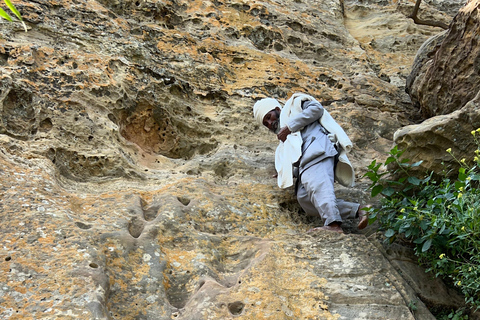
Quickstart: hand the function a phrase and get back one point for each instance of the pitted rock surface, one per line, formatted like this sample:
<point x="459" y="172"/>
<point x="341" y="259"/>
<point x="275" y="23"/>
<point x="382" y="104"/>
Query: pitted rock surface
<point x="445" y="84"/>
<point x="136" y="184"/>
<point x="450" y="78"/>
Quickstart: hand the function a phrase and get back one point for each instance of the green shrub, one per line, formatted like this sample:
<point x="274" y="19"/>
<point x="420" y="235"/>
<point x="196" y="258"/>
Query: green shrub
<point x="440" y="218"/>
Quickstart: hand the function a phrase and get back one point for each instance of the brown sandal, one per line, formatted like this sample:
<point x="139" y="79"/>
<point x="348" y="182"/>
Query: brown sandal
<point x="363" y="215"/>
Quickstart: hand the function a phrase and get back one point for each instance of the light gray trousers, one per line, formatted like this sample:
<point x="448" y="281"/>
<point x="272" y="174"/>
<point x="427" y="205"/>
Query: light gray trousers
<point x="316" y="194"/>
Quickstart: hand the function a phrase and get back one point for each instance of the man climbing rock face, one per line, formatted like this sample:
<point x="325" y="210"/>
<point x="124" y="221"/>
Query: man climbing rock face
<point x="316" y="146"/>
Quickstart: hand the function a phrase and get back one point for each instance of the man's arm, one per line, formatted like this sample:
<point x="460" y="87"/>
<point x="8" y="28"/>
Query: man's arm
<point x="312" y="111"/>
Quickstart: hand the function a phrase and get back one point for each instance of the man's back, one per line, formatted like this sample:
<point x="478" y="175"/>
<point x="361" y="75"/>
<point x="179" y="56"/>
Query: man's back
<point x="316" y="144"/>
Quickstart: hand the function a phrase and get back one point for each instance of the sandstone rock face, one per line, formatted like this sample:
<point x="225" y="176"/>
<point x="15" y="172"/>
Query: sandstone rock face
<point x="136" y="185"/>
<point x="429" y="140"/>
<point x="449" y="78"/>
<point x="445" y="83"/>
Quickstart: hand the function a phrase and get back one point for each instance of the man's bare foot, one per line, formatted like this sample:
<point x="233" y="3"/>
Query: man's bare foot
<point x="335" y="227"/>
<point x="363" y="215"/>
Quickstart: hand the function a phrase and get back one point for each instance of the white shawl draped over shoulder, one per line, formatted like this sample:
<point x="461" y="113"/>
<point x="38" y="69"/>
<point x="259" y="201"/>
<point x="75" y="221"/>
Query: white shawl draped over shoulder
<point x="290" y="151"/>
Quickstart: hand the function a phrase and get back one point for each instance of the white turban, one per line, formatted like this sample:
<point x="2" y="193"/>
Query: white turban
<point x="264" y="106"/>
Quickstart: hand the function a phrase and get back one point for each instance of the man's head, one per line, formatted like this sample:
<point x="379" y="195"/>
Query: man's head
<point x="267" y="113"/>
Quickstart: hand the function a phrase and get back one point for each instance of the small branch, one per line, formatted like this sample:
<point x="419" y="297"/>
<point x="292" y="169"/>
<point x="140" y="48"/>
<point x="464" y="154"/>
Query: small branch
<point x="431" y="23"/>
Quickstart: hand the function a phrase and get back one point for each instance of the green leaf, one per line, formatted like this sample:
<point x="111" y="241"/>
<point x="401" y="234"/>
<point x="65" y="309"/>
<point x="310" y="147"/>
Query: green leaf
<point x="388" y="191"/>
<point x="13" y="9"/>
<point x="394" y="150"/>
<point x="372" y="165"/>
<point x="426" y="245"/>
<point x="5" y="15"/>
<point x="376" y="190"/>
<point x="459" y="184"/>
<point x="424" y="224"/>
<point x="442" y="229"/>
<point x="389" y="233"/>
<point x="389" y="160"/>
<point x="418" y="240"/>
<point x="372" y="175"/>
<point x="408" y="233"/>
<point x="394" y="183"/>
<point x="415" y="181"/>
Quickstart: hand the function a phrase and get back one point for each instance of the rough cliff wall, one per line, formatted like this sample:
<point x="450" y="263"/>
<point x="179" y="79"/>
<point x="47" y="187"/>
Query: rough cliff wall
<point x="136" y="185"/>
<point x="445" y="85"/>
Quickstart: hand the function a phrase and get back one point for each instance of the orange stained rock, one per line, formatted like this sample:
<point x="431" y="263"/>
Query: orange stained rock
<point x="47" y="240"/>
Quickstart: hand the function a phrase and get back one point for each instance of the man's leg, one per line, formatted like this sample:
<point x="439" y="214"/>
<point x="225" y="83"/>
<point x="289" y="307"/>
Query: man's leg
<point x="316" y="192"/>
<point x="304" y="201"/>
<point x="348" y="210"/>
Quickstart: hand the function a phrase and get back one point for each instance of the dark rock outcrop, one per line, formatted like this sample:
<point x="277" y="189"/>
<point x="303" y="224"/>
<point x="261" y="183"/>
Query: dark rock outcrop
<point x="445" y="84"/>
<point x="448" y="77"/>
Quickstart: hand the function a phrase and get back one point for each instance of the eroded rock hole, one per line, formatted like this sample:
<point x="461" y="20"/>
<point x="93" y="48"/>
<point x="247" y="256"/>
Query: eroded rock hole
<point x="278" y="46"/>
<point x="82" y="225"/>
<point x="46" y="125"/>
<point x="151" y="212"/>
<point x="261" y="37"/>
<point x="93" y="265"/>
<point x="184" y="200"/>
<point x="3" y="58"/>
<point x="112" y="118"/>
<point x="18" y="113"/>
<point x="236" y="307"/>
<point x="162" y="130"/>
<point x="51" y="154"/>
<point x="177" y="292"/>
<point x="222" y="169"/>
<point x="81" y="167"/>
<point x="150" y="130"/>
<point x="135" y="227"/>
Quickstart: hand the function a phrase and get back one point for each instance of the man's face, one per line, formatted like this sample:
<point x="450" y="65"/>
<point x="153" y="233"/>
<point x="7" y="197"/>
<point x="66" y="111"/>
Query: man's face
<point x="272" y="120"/>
